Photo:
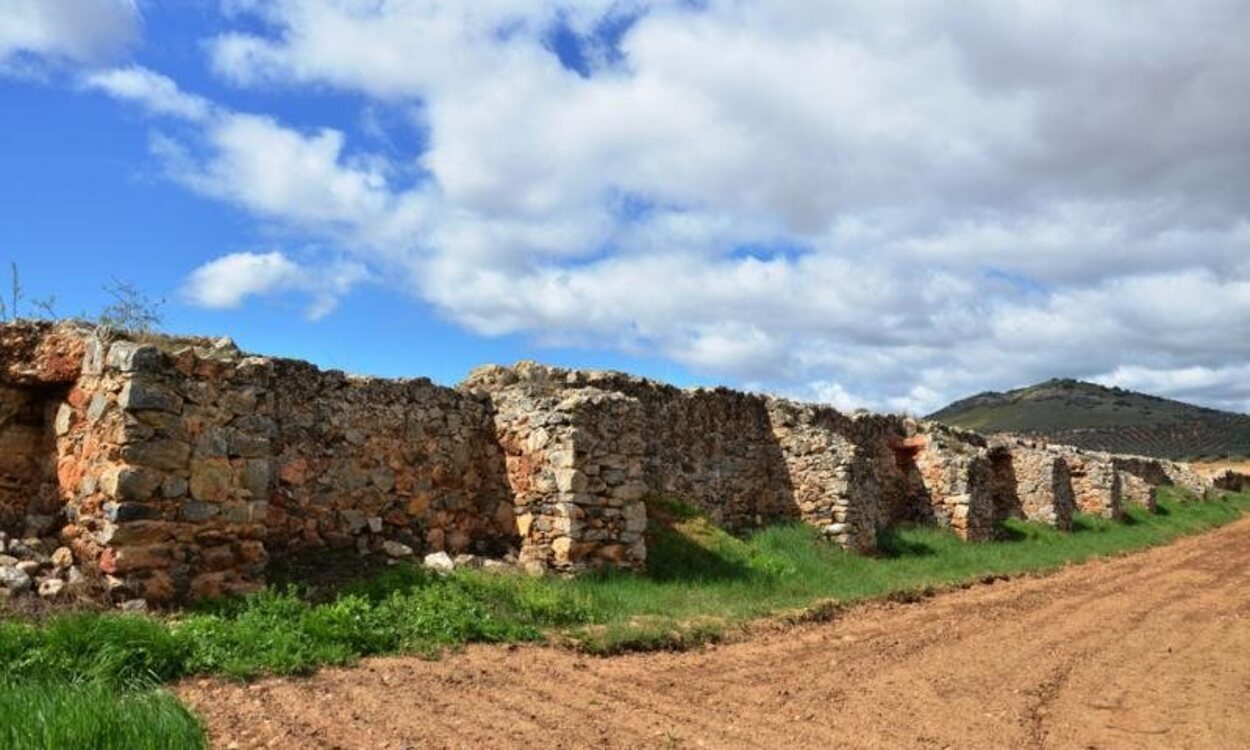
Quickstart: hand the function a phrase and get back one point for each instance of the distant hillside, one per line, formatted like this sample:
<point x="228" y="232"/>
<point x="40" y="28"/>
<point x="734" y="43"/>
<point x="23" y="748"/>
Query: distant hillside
<point x="1099" y="418"/>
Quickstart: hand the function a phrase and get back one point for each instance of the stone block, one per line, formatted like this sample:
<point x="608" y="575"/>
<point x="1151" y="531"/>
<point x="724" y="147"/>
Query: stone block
<point x="195" y="511"/>
<point x="129" y="356"/>
<point x="121" y="560"/>
<point x="130" y="483"/>
<point x="126" y="512"/>
<point x="212" y="480"/>
<point x="257" y="474"/>
<point x="167" y="455"/>
<point x="247" y="446"/>
<point x="141" y="395"/>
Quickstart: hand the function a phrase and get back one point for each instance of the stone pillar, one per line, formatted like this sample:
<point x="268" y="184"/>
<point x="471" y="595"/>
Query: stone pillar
<point x="1181" y="475"/>
<point x="830" y="478"/>
<point x="958" y="479"/>
<point x="183" y="470"/>
<point x="1135" y="490"/>
<point x="1043" y="483"/>
<point x="574" y="462"/>
<point x="1095" y="482"/>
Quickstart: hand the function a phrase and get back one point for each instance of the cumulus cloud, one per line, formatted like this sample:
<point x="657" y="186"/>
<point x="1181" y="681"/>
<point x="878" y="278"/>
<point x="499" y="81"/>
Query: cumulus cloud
<point x="79" y="31"/>
<point x="155" y="92"/>
<point x="890" y="204"/>
<point x="228" y="281"/>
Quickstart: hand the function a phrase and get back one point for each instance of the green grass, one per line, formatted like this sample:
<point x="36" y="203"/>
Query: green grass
<point x="701" y="584"/>
<point x="704" y="581"/>
<point x="54" y="716"/>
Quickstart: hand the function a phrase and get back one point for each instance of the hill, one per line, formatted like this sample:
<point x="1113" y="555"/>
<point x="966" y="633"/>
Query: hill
<point x="1101" y="418"/>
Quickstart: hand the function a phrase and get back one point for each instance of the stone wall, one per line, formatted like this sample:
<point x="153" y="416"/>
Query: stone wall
<point x="714" y="449"/>
<point x="1138" y="491"/>
<point x="830" y="479"/>
<point x="227" y="460"/>
<point x="28" y="488"/>
<point x="175" y="469"/>
<point x="1231" y="481"/>
<point x="182" y="466"/>
<point x="748" y="460"/>
<point x="1033" y="482"/>
<point x="38" y="364"/>
<point x="359" y="461"/>
<point x="574" y="466"/>
<point x="958" y="479"/>
<point x="1095" y="482"/>
<point x="1141" y="475"/>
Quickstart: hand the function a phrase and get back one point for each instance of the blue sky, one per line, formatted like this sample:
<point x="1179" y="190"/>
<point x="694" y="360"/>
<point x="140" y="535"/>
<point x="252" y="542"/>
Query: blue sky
<point x="888" y="205"/>
<point x="84" y="202"/>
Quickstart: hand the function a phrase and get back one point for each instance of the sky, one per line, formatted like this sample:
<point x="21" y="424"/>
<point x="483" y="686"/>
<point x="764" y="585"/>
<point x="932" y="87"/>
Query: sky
<point x="883" y="204"/>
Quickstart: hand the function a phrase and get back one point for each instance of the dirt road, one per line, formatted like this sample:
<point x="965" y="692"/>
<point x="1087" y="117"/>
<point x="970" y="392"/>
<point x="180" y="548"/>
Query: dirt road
<point x="1149" y="650"/>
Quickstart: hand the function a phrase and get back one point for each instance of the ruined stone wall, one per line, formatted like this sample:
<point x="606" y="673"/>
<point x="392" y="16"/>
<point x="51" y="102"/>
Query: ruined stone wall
<point x="1183" y="476"/>
<point x="747" y="459"/>
<point x="1231" y="481"/>
<point x="1095" y="481"/>
<point x="38" y="363"/>
<point x="1032" y="482"/>
<point x="359" y="461"/>
<point x="958" y="479"/>
<point x="227" y="460"/>
<point x="1138" y="491"/>
<point x="831" y="479"/>
<point x="180" y="468"/>
<point x="744" y="459"/>
<point x="713" y="449"/>
<point x="1141" y="475"/>
<point x="574" y="463"/>
<point x="28" y="488"/>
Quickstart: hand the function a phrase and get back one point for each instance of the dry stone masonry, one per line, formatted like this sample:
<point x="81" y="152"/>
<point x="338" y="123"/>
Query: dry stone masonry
<point x="180" y="468"/>
<point x="1033" y="481"/>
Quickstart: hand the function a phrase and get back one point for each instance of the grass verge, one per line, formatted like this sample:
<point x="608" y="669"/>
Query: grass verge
<point x="701" y="583"/>
<point x="38" y="715"/>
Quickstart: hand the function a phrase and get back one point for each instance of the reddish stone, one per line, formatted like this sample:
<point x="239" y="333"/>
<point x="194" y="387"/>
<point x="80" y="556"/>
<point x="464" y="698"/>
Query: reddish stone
<point x="70" y="471"/>
<point x="77" y="397"/>
<point x="294" y="473"/>
<point x="141" y="533"/>
<point x="126" y="559"/>
<point x="253" y="553"/>
<point x="158" y="587"/>
<point x="217" y="558"/>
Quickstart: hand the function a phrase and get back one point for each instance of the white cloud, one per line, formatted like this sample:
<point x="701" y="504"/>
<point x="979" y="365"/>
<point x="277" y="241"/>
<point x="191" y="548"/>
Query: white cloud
<point x="890" y="203"/>
<point x="1226" y="387"/>
<point x="81" y="31"/>
<point x="157" y="93"/>
<point x="228" y="281"/>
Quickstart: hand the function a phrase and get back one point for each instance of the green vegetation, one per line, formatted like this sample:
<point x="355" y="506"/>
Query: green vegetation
<point x="58" y="715"/>
<point x="704" y="582"/>
<point x="1099" y="418"/>
<point x="93" y="673"/>
<point x="279" y="632"/>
